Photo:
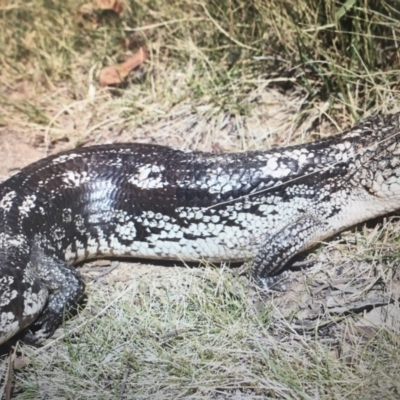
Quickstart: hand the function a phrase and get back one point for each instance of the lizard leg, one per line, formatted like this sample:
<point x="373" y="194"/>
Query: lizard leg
<point x="22" y="299"/>
<point x="66" y="289"/>
<point x="282" y="247"/>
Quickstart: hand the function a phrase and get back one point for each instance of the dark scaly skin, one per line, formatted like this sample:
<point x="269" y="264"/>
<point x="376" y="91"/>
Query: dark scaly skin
<point x="156" y="202"/>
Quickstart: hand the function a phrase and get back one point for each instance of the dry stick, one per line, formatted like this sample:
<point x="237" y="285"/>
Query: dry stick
<point x="123" y="383"/>
<point x="8" y="380"/>
<point x="173" y="333"/>
<point x="163" y="24"/>
<point x="107" y="271"/>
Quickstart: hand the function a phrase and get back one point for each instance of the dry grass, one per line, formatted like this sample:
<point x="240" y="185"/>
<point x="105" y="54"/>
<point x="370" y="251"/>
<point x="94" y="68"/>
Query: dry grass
<point x="226" y="75"/>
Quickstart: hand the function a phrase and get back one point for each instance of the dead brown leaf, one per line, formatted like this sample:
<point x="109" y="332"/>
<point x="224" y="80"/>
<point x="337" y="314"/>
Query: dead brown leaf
<point x="113" y="5"/>
<point x="115" y="74"/>
<point x="102" y="5"/>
